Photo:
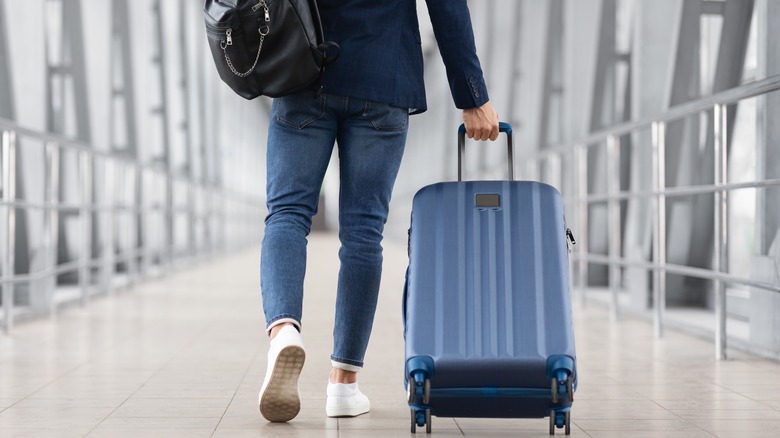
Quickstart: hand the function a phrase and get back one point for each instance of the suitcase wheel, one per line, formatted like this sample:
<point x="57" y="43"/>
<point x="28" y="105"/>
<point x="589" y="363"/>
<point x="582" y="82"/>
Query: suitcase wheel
<point x="418" y="383"/>
<point x="560" y="420"/>
<point x="421" y="418"/>
<point x="563" y="381"/>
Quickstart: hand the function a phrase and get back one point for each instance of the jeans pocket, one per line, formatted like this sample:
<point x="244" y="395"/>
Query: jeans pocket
<point x="384" y="117"/>
<point x="298" y="110"/>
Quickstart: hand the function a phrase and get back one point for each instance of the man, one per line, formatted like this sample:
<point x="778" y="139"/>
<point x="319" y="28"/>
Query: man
<point x="367" y="97"/>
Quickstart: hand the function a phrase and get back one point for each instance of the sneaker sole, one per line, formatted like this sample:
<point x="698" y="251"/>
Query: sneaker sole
<point x="349" y="411"/>
<point x="280" y="401"/>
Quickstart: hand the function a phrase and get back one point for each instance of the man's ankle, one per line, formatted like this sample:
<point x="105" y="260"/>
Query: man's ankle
<point x="338" y="375"/>
<point x="275" y="329"/>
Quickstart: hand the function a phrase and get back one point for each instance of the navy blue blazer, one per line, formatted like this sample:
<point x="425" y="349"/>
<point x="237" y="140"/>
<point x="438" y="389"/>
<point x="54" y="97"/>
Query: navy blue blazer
<point x="381" y="53"/>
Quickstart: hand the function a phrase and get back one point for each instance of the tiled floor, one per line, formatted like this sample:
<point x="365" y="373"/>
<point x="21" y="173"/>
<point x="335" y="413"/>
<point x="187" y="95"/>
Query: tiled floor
<point x="185" y="357"/>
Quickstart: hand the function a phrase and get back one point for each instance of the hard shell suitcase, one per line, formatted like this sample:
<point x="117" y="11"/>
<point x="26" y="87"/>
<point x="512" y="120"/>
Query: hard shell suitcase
<point x="487" y="310"/>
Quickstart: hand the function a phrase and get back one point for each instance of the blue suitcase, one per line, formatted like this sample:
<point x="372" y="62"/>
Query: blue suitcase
<point x="487" y="311"/>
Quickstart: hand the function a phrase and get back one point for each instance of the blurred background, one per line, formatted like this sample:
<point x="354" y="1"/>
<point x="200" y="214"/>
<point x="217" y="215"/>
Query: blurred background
<point x="124" y="157"/>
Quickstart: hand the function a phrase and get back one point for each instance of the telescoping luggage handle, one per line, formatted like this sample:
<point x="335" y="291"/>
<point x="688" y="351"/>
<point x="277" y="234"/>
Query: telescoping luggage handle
<point x="502" y="127"/>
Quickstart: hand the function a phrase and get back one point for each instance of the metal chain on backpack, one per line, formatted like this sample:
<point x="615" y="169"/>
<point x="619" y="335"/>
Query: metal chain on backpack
<point x="263" y="30"/>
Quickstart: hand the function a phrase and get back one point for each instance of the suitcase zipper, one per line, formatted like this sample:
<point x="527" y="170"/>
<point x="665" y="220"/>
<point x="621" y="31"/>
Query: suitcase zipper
<point x="409" y="243"/>
<point x="569" y="239"/>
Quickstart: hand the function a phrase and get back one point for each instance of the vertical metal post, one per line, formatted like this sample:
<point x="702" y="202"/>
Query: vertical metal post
<point x="161" y="207"/>
<point x="169" y="243"/>
<point x="7" y="108"/>
<point x="160" y="61"/>
<point x="120" y="223"/>
<point x="109" y="214"/>
<point x="51" y="223"/>
<point x="223" y="207"/>
<point x="582" y="238"/>
<point x="613" y="184"/>
<point x="192" y="244"/>
<point x="9" y="227"/>
<point x="211" y="237"/>
<point x="720" y="114"/>
<point x="85" y="219"/>
<point x="659" y="221"/>
<point x="130" y="194"/>
<point x="146" y="221"/>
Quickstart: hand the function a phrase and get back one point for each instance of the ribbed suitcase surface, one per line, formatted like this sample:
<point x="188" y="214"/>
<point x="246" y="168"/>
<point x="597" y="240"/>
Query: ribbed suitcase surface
<point x="487" y="307"/>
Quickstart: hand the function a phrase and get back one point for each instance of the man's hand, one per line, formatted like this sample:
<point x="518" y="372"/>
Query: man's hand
<point x="481" y="123"/>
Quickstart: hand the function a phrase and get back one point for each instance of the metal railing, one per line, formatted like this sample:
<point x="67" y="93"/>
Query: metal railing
<point x="138" y="209"/>
<point x="718" y="105"/>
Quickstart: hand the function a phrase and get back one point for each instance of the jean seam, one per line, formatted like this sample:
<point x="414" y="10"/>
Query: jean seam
<point x="282" y="316"/>
<point x="356" y="363"/>
<point x="304" y="123"/>
<point x="366" y="116"/>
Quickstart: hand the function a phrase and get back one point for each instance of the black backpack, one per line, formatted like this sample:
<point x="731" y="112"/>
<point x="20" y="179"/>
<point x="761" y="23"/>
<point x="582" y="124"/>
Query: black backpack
<point x="268" y="47"/>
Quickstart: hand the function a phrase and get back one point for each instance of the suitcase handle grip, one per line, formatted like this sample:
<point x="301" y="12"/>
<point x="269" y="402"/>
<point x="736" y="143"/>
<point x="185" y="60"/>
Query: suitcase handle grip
<point x="502" y="127"/>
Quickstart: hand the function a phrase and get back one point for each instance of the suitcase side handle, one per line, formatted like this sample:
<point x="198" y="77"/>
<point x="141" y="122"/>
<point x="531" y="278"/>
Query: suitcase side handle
<point x="502" y="127"/>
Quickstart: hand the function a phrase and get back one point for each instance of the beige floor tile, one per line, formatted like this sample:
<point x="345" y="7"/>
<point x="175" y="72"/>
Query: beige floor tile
<point x="770" y="433"/>
<point x="774" y="404"/>
<point x="634" y="425"/>
<point x="25" y="413"/>
<point x="60" y="403"/>
<point x="716" y="426"/>
<point x="242" y="408"/>
<point x="55" y="422"/>
<point x="85" y="392"/>
<point x="575" y="432"/>
<point x="766" y="388"/>
<point x="379" y="433"/>
<point x="20" y="392"/>
<point x="159" y="423"/>
<point x="705" y="403"/>
<point x="619" y="409"/>
<point x="280" y="432"/>
<point x="43" y="433"/>
<point x="680" y="391"/>
<point x="401" y="424"/>
<point x="769" y="393"/>
<point x="183" y="392"/>
<point x="170" y="408"/>
<point x="728" y="414"/>
<point x="525" y="424"/>
<point x="608" y="393"/>
<point x="388" y="411"/>
<point x="650" y="434"/>
<point x="6" y="402"/>
<point x="259" y="423"/>
<point x="109" y="432"/>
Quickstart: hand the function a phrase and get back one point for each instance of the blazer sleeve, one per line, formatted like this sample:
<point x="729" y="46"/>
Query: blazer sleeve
<point x="455" y="37"/>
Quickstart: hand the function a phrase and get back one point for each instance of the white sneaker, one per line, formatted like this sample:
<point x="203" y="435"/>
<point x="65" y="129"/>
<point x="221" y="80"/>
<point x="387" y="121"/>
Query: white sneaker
<point x="346" y="400"/>
<point x="279" y="399"/>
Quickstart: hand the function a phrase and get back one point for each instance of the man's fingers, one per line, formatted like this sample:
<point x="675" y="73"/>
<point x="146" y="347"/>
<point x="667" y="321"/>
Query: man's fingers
<point x="484" y="133"/>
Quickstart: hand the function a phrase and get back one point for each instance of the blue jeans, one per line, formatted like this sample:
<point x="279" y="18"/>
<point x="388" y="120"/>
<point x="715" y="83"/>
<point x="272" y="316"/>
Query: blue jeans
<point x="371" y="138"/>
